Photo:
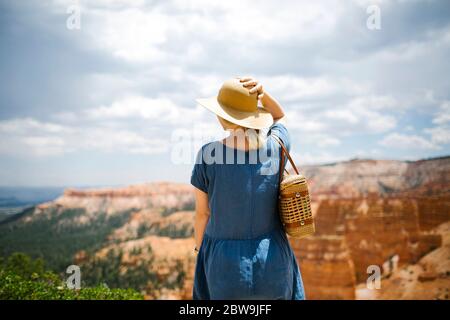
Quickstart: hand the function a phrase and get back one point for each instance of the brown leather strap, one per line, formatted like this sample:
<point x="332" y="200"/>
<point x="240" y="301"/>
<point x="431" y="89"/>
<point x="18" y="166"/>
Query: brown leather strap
<point x="300" y="223"/>
<point x="283" y="152"/>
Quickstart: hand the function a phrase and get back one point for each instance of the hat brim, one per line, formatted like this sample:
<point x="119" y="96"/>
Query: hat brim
<point x="259" y="119"/>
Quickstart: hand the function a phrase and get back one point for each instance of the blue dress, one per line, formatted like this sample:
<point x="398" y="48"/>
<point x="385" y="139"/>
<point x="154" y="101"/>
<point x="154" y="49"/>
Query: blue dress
<point x="245" y="253"/>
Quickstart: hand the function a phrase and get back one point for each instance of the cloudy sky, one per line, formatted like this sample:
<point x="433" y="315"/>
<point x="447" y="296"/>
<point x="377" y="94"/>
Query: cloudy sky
<point x="107" y="98"/>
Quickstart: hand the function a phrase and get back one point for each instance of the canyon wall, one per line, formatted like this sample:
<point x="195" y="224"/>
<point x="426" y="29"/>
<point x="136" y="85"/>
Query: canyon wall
<point x="363" y="232"/>
<point x="382" y="213"/>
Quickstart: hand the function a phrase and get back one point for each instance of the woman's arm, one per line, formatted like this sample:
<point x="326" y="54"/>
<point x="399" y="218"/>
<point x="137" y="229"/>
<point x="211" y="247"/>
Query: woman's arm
<point x="202" y="213"/>
<point x="269" y="102"/>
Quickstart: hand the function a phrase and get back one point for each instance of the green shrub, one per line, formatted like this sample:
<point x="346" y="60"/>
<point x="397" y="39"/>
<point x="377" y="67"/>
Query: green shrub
<point x="22" y="278"/>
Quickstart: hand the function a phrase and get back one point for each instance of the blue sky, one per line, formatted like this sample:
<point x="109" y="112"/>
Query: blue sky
<point x="103" y="104"/>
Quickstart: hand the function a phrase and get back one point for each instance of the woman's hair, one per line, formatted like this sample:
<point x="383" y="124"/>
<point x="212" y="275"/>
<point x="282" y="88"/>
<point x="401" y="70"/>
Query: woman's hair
<point x="254" y="137"/>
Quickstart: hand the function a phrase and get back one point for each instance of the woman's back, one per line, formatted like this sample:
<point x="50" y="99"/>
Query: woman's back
<point x="245" y="252"/>
<point x="242" y="188"/>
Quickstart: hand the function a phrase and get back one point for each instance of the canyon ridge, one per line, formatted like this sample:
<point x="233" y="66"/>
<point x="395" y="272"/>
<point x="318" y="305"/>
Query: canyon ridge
<point x="385" y="216"/>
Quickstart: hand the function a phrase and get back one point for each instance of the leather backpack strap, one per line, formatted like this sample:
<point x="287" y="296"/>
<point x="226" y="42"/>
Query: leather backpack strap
<point x="282" y="167"/>
<point x="284" y="151"/>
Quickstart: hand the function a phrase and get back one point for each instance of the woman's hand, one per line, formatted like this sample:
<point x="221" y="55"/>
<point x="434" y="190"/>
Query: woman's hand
<point x="269" y="103"/>
<point x="253" y="85"/>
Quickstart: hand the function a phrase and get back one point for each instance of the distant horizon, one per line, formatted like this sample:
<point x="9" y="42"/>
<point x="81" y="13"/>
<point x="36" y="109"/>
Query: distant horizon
<point x="84" y="186"/>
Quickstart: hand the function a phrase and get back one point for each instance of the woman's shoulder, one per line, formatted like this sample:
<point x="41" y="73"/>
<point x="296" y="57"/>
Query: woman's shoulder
<point x="200" y="154"/>
<point x="279" y="125"/>
<point x="280" y="130"/>
<point x="207" y="145"/>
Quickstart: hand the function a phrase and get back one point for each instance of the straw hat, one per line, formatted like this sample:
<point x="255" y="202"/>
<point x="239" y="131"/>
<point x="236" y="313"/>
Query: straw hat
<point x="236" y="104"/>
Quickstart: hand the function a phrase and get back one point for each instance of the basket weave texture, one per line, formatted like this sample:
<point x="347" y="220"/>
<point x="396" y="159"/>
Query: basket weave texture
<point x="295" y="206"/>
<point x="294" y="203"/>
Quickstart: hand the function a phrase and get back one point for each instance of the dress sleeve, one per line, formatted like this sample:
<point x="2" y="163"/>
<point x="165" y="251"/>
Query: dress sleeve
<point x="198" y="176"/>
<point x="280" y="130"/>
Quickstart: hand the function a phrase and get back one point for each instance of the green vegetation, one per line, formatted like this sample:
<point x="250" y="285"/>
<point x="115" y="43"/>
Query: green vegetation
<point x="188" y="206"/>
<point x="22" y="278"/>
<point x="173" y="231"/>
<point x="184" y="231"/>
<point x="8" y="215"/>
<point x="55" y="236"/>
<point x="58" y="236"/>
<point x="111" y="271"/>
<point x="138" y="274"/>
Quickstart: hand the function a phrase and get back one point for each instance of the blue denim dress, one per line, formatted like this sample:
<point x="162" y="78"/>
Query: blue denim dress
<point x="245" y="253"/>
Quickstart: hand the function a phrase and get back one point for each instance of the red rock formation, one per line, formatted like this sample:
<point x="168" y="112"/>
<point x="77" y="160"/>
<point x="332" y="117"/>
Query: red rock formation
<point x="178" y="224"/>
<point x="427" y="279"/>
<point x="149" y="189"/>
<point x="175" y="196"/>
<point x="374" y="231"/>
<point x="433" y="211"/>
<point x="357" y="178"/>
<point x="168" y="254"/>
<point x="326" y="266"/>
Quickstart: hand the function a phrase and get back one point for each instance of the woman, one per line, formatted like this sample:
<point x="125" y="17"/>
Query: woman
<point x="243" y="251"/>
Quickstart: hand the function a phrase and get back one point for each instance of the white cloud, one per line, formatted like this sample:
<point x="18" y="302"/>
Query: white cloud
<point x="443" y="115"/>
<point x="131" y="34"/>
<point x="241" y="18"/>
<point x="342" y="120"/>
<point x="407" y="142"/>
<point x="321" y="140"/>
<point x="439" y="135"/>
<point x="206" y="85"/>
<point x="294" y="88"/>
<point x="298" y="120"/>
<point x="411" y="51"/>
<point x="373" y="102"/>
<point x="28" y="136"/>
<point x="340" y="106"/>
<point x="128" y="125"/>
<point x="109" y="85"/>
<point x="358" y="117"/>
<point x="110" y="140"/>
<point x="65" y="116"/>
<point x="135" y="106"/>
<point x="159" y="110"/>
<point x="403" y="52"/>
<point x="44" y="146"/>
<point x="143" y="32"/>
<point x="328" y="141"/>
<point x="345" y="116"/>
<point x="25" y="125"/>
<point x="376" y="122"/>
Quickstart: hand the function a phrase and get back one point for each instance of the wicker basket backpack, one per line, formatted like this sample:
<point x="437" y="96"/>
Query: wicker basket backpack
<point x="294" y="202"/>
